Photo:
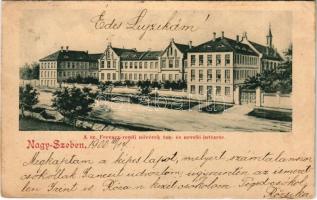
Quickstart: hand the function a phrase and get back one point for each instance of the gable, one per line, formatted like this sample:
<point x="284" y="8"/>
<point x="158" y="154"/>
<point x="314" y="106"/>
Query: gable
<point x="109" y="54"/>
<point x="171" y="51"/>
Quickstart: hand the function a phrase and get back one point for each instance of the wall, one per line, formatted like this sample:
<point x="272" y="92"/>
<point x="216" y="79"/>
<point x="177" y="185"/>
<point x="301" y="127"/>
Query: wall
<point x="276" y="100"/>
<point x="33" y="82"/>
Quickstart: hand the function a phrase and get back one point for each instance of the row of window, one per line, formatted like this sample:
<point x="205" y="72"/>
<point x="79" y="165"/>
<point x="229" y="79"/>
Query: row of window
<point x="172" y="63"/>
<point x="74" y="65"/>
<point x="93" y="65"/>
<point x="208" y="59"/>
<point x="243" y="74"/>
<point x="139" y="65"/>
<point x="108" y="64"/>
<point x="48" y="82"/>
<point x="246" y="60"/>
<point x="208" y="90"/>
<point x="204" y="75"/>
<point x="48" y="65"/>
<point x="267" y="65"/>
<point x="139" y="76"/>
<point x="67" y="65"/>
<point x="48" y="74"/>
<point x="102" y="76"/>
<point x="72" y="74"/>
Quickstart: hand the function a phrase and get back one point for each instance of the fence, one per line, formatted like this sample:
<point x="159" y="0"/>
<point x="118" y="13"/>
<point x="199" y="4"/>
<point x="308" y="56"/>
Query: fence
<point x="261" y="99"/>
<point x="276" y="100"/>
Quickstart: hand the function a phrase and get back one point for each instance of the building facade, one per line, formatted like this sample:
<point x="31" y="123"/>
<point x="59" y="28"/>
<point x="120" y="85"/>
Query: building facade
<point x="120" y="64"/>
<point x="217" y="67"/>
<point x="64" y="64"/>
<point x="173" y="62"/>
<point x="269" y="56"/>
<point x="212" y="70"/>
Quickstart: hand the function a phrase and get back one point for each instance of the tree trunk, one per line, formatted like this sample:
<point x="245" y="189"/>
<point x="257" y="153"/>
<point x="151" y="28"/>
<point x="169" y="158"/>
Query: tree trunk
<point x="22" y="112"/>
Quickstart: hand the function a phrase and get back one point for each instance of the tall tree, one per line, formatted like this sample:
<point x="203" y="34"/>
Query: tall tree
<point x="28" y="97"/>
<point x="274" y="80"/>
<point x="29" y="72"/>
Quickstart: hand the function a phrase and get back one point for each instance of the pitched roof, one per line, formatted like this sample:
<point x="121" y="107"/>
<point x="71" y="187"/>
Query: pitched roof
<point x="267" y="52"/>
<point x="120" y="51"/>
<point x="182" y="47"/>
<point x="94" y="56"/>
<point x="67" y="55"/>
<point x="224" y="45"/>
<point x="151" y="55"/>
<point x="140" y="55"/>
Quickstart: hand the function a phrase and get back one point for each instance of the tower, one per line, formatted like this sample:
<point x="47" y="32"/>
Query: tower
<point x="269" y="37"/>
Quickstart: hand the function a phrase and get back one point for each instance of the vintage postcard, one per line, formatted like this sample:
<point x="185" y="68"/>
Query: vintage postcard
<point x="162" y="99"/>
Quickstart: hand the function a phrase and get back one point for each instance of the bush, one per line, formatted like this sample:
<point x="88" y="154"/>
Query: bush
<point x="72" y="102"/>
<point x="129" y="83"/>
<point x="144" y="87"/>
<point x="82" y="80"/>
<point x="118" y="83"/>
<point x="156" y="84"/>
<point x="105" y="87"/>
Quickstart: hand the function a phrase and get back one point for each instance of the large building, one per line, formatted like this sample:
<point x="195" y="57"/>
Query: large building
<point x="120" y="64"/>
<point x="65" y="63"/>
<point x="212" y="70"/>
<point x="218" y="66"/>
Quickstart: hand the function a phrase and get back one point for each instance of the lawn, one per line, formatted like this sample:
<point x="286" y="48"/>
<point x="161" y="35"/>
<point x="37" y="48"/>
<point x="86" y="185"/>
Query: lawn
<point x="272" y="114"/>
<point x="30" y="124"/>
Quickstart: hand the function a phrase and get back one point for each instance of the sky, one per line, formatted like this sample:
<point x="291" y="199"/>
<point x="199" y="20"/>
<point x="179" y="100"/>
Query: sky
<point x="44" y="31"/>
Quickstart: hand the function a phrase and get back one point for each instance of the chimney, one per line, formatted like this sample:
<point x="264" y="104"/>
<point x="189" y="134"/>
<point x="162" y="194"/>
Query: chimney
<point x="190" y="44"/>
<point x="62" y="48"/>
<point x="222" y="34"/>
<point x="214" y="38"/>
<point x="172" y="40"/>
<point x="238" y="39"/>
<point x="245" y="36"/>
<point x="109" y="44"/>
<point x="66" y="48"/>
<point x="87" y="51"/>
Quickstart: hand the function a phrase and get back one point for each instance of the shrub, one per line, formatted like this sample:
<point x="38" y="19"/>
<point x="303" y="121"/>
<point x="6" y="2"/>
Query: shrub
<point x="28" y="97"/>
<point x="83" y="80"/>
<point x="72" y="102"/>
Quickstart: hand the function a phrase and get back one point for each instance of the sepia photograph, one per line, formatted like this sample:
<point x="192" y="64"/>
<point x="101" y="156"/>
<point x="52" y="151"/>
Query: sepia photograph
<point x="158" y="99"/>
<point x="156" y="70"/>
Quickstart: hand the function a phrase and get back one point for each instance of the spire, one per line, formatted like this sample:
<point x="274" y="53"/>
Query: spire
<point x="270" y="32"/>
<point x="269" y="37"/>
